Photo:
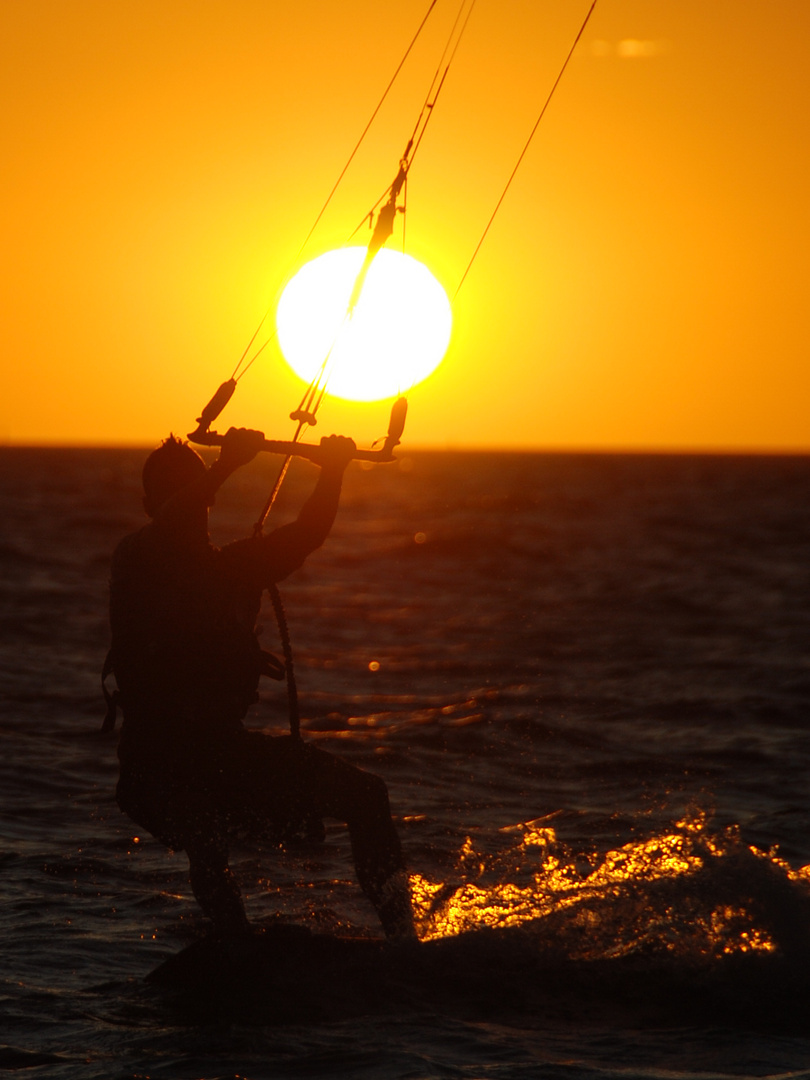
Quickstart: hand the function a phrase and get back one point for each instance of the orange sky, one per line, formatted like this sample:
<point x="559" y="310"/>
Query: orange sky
<point x="643" y="286"/>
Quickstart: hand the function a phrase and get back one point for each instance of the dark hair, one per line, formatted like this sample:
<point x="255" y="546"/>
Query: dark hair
<point x="168" y="469"/>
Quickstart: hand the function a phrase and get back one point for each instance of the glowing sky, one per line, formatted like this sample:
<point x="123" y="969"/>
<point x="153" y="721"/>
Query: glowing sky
<point x="643" y="286"/>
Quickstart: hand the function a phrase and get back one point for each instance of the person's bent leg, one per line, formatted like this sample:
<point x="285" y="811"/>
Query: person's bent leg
<point x="288" y="782"/>
<point x="339" y="790"/>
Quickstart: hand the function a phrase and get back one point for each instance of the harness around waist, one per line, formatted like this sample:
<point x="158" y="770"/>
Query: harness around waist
<point x="165" y="699"/>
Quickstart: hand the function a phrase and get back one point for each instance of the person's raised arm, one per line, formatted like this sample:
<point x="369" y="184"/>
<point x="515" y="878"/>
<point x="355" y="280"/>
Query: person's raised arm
<point x="285" y="549"/>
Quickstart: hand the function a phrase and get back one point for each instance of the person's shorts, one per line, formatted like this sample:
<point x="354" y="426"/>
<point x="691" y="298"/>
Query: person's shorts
<point x="274" y="788"/>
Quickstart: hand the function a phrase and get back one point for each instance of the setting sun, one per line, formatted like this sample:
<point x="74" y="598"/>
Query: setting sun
<point x="395" y="337"/>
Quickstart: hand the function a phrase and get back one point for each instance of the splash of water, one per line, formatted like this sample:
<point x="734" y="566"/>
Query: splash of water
<point x="688" y="891"/>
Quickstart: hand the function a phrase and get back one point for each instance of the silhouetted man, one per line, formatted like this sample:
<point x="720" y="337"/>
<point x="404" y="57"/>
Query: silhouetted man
<point x="187" y="662"/>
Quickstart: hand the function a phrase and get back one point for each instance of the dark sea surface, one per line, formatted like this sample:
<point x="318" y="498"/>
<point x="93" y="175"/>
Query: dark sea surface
<point x="586" y="682"/>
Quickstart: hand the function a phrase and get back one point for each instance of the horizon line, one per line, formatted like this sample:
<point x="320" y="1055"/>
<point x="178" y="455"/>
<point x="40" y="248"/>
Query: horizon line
<point x="618" y="450"/>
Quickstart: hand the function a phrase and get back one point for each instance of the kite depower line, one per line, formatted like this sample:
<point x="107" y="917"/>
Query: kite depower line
<point x="392" y="202"/>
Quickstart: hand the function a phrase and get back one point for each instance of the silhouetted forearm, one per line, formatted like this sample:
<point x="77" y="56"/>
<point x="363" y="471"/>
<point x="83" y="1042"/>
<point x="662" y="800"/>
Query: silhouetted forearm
<point x="287" y="548"/>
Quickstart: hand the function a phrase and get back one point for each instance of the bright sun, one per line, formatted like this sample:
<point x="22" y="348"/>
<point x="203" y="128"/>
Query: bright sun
<point x="398" y="333"/>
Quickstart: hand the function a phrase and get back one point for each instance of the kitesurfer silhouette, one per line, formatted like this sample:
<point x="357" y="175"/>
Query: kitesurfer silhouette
<point x="187" y="662"/>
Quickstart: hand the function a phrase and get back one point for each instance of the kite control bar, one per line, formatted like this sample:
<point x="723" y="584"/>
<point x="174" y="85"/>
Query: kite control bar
<point x="203" y="437"/>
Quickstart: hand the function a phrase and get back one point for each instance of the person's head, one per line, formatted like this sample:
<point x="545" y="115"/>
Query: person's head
<point x="167" y="470"/>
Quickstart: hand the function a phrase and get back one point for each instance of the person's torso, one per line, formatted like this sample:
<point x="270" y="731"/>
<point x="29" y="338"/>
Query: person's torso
<point x="184" y="647"/>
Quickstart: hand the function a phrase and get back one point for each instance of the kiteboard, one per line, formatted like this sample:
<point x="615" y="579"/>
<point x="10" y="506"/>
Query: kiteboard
<point x="292" y="973"/>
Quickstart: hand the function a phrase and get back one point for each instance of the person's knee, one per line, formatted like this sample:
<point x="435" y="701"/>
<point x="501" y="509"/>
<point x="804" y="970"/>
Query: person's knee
<point x="332" y="787"/>
<point x="370" y="807"/>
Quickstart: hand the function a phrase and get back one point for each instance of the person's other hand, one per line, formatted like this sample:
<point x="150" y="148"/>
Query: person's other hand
<point x="337" y="451"/>
<point x="239" y="446"/>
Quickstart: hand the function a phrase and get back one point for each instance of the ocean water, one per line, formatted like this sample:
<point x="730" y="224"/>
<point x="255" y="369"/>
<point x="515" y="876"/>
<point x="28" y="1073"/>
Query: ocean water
<point x="586" y="682"/>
